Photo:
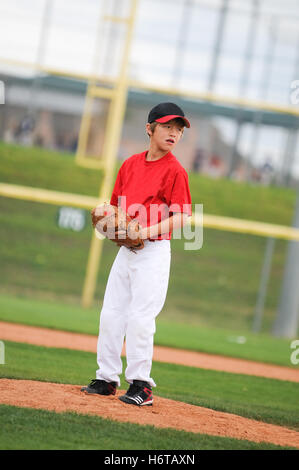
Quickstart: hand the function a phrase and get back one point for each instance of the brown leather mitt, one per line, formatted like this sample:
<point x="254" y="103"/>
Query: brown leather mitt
<point x="113" y="223"/>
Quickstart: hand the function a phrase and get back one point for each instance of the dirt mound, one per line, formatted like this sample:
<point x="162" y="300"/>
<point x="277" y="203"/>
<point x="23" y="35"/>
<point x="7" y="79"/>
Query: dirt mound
<point x="62" y="339"/>
<point x="164" y="413"/>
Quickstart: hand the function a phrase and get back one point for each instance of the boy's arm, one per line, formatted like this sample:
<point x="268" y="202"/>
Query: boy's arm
<point x="117" y="190"/>
<point x="177" y="220"/>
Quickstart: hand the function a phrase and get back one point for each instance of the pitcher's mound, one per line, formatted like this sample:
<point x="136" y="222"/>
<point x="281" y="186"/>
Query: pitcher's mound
<point x="164" y="413"/>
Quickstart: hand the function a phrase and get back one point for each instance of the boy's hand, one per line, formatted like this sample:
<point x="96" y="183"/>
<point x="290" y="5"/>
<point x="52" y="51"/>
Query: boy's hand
<point x="112" y="222"/>
<point x="143" y="233"/>
<point x="131" y="237"/>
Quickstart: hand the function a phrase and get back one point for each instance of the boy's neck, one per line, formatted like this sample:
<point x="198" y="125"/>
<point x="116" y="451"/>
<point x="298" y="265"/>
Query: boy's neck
<point x="155" y="154"/>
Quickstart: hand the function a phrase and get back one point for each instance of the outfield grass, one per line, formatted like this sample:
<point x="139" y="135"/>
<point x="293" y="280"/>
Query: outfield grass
<point x="44" y="430"/>
<point x="210" y="305"/>
<point x="267" y="400"/>
<point x="42" y="168"/>
<point x="50" y="314"/>
<point x="216" y="286"/>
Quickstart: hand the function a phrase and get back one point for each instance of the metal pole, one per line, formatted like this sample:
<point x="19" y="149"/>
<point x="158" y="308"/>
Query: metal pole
<point x="261" y="298"/>
<point x="264" y="86"/>
<point x="289" y="156"/>
<point x="5" y="109"/>
<point x="88" y="104"/>
<point x="184" y="27"/>
<point x="218" y="42"/>
<point x="215" y="61"/>
<point x="32" y="105"/>
<point x="287" y="319"/>
<point x="111" y="144"/>
<point x="244" y="83"/>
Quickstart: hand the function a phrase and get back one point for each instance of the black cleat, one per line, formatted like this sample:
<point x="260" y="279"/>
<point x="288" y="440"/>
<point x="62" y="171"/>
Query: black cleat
<point x="139" y="394"/>
<point x="101" y="387"/>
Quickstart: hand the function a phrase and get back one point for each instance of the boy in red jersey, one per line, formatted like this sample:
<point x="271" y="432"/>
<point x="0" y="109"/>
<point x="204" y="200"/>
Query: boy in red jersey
<point x="152" y="187"/>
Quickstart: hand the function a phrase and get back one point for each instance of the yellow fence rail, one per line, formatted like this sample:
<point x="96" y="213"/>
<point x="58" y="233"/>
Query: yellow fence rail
<point x="139" y="85"/>
<point x="209" y="221"/>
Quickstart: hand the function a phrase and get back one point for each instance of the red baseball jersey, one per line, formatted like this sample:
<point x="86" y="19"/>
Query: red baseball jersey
<point x="151" y="191"/>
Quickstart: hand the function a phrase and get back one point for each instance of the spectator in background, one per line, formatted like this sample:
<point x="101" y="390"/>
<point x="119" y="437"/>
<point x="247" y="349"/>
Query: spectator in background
<point x="255" y="176"/>
<point x="9" y="135"/>
<point x="74" y="143"/>
<point x="215" y="168"/>
<point x="267" y="172"/>
<point x="24" y="132"/>
<point x="198" y="160"/>
<point x="239" y="174"/>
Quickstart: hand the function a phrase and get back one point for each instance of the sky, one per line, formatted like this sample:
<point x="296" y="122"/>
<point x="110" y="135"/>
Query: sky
<point x="173" y="46"/>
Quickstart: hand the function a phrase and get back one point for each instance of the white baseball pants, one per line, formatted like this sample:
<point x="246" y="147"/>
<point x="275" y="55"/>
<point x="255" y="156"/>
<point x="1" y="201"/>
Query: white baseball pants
<point x="135" y="294"/>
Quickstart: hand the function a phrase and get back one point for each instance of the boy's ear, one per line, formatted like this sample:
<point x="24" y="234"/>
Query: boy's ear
<point x="148" y="129"/>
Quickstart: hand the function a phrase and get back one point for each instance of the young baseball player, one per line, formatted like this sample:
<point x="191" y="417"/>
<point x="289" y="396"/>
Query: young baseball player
<point x="153" y="188"/>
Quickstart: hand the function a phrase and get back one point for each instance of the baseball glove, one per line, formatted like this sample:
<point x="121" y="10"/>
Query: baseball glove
<point x="112" y="222"/>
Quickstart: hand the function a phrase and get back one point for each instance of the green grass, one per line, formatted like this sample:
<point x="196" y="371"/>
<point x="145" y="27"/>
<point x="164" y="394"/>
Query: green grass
<point x="211" y="300"/>
<point x="268" y="400"/>
<point x="216" y="286"/>
<point x="41" y="168"/>
<point x="241" y="344"/>
<point x="48" y="169"/>
<point x="50" y="314"/>
<point x="209" y="287"/>
<point x="243" y="200"/>
<point x="44" y="430"/>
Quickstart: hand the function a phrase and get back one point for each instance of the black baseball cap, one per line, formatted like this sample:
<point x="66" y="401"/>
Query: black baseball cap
<point x="164" y="112"/>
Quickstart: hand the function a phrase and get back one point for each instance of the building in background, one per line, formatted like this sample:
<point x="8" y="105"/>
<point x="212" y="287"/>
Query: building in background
<point x="230" y="64"/>
<point x="58" y="120"/>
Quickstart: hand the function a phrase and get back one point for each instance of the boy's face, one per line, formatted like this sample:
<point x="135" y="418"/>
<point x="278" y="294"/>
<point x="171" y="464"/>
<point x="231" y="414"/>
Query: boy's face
<point x="167" y="135"/>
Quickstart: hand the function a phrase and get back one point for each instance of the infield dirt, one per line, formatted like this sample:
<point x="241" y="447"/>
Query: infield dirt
<point x="165" y="413"/>
<point x="82" y="342"/>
